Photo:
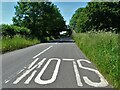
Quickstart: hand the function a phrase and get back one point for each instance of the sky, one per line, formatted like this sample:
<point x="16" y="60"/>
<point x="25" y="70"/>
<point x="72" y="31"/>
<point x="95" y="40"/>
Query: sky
<point x="67" y="9"/>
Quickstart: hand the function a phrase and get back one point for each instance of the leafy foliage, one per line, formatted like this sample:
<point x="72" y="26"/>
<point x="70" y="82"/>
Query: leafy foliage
<point x="42" y="18"/>
<point x="97" y="16"/>
<point x="11" y="31"/>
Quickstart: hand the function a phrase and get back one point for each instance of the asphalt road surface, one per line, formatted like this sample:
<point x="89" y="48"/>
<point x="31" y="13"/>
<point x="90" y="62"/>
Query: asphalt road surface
<point x="58" y="64"/>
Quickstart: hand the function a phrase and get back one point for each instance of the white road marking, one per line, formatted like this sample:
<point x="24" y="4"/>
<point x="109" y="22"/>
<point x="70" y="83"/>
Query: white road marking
<point x="24" y="67"/>
<point x="79" y="82"/>
<point x="102" y="83"/>
<point x="30" y="78"/>
<point x="32" y="66"/>
<point x="40" y="64"/>
<point x="33" y="63"/>
<point x="65" y="59"/>
<point x="13" y="75"/>
<point x="20" y="71"/>
<point x="54" y="76"/>
<point x="6" y="81"/>
<point x="28" y="71"/>
<point x="42" y="51"/>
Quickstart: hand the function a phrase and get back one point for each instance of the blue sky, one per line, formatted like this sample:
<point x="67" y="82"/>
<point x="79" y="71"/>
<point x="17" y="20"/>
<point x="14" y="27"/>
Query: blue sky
<point x="67" y="9"/>
<point x="8" y="12"/>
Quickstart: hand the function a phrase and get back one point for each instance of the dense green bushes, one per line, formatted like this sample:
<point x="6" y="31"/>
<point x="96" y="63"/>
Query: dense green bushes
<point x="103" y="16"/>
<point x="102" y="50"/>
<point x="14" y="37"/>
<point x="11" y="31"/>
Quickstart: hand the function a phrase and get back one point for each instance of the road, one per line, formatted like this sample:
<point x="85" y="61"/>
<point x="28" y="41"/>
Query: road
<point x="58" y="64"/>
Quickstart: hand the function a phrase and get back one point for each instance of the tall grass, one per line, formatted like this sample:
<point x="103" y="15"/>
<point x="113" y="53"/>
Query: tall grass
<point x="102" y="50"/>
<point x="10" y="44"/>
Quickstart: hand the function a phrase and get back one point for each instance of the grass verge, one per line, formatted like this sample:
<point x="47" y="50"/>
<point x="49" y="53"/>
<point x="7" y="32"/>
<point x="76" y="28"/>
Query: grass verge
<point x="10" y="44"/>
<point x="102" y="50"/>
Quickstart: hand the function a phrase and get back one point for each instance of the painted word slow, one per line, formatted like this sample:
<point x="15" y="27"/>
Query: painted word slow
<point x="77" y="64"/>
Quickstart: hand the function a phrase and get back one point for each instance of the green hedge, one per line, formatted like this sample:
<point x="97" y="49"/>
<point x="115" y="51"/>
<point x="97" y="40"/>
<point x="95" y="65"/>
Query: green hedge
<point x="11" y="31"/>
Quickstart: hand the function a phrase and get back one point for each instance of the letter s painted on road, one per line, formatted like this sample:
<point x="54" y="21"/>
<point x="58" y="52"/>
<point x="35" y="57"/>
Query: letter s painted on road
<point x="102" y="83"/>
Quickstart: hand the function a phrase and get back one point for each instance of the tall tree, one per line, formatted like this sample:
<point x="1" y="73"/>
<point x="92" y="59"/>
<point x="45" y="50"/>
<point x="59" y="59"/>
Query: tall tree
<point x="42" y="18"/>
<point x="97" y="16"/>
<point x="104" y="15"/>
<point x="73" y="21"/>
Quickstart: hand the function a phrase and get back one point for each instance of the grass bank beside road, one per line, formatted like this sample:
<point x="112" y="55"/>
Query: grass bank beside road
<point x="10" y="44"/>
<point x="102" y="50"/>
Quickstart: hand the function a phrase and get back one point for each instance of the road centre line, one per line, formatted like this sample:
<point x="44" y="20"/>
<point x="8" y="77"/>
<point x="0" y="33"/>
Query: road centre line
<point x="65" y="59"/>
<point x="42" y="51"/>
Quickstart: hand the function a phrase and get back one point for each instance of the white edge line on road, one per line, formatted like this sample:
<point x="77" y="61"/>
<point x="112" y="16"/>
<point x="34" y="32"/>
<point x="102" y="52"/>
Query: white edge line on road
<point x="20" y="71"/>
<point x="79" y="82"/>
<point x="13" y="75"/>
<point x="42" y="51"/>
<point x="6" y="81"/>
<point x="65" y="59"/>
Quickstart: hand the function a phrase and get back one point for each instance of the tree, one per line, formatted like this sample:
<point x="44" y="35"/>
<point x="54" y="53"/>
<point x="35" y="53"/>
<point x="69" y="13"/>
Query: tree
<point x="104" y="15"/>
<point x="73" y="21"/>
<point x="42" y="18"/>
<point x="97" y="16"/>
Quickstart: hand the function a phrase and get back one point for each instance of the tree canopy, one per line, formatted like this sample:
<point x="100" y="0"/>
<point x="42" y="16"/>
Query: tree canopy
<point x="42" y="18"/>
<point x="97" y="16"/>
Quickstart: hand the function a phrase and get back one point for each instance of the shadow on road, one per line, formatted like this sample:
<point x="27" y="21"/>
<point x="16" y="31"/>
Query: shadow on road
<point x="62" y="40"/>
